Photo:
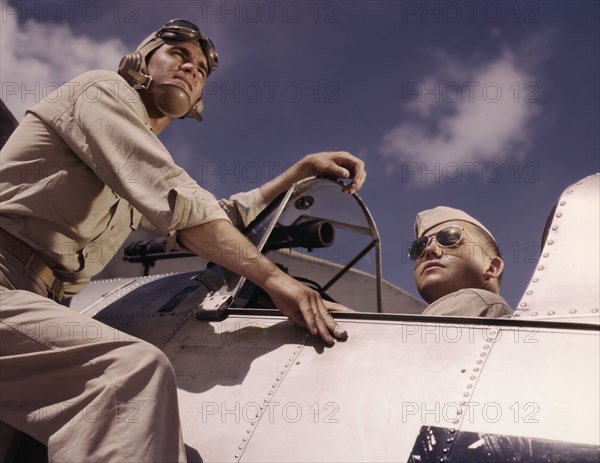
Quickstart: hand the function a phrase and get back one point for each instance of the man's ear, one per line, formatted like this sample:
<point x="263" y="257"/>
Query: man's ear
<point x="494" y="269"/>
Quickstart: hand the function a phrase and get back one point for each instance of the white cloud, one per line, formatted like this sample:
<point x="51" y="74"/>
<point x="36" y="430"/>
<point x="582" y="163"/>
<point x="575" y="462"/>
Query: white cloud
<point x="466" y="115"/>
<point x="36" y="57"/>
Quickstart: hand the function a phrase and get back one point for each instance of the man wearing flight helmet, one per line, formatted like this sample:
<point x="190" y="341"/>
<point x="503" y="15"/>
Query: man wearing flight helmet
<point x="170" y="98"/>
<point x="66" y="208"/>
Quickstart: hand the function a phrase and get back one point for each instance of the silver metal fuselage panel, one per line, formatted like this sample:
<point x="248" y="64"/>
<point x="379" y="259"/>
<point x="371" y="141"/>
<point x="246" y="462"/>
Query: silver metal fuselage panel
<point x="258" y="388"/>
<point x="255" y="387"/>
<point x="261" y="389"/>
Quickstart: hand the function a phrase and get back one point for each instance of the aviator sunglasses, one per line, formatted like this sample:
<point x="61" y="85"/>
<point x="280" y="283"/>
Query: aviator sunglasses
<point x="449" y="237"/>
<point x="182" y="30"/>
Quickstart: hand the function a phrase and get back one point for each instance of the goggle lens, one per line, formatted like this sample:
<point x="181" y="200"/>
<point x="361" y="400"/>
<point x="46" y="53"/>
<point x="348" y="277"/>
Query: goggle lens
<point x="182" y="25"/>
<point x="449" y="237"/>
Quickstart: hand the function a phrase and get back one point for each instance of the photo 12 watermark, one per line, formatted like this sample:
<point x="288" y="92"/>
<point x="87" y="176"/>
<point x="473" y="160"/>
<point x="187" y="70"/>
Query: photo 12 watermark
<point x="270" y="12"/>
<point x="56" y="174"/>
<point x="469" y="172"/>
<point x="57" y="332"/>
<point x="68" y="412"/>
<point x="118" y="12"/>
<point x="470" y="12"/>
<point x="270" y="411"/>
<point x="272" y="92"/>
<point x="470" y="92"/>
<point x="470" y="412"/>
<point x="452" y="333"/>
<point x="32" y="93"/>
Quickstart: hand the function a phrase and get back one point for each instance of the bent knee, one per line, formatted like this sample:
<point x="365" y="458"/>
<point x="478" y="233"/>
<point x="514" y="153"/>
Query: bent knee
<point x="142" y="362"/>
<point x="149" y="361"/>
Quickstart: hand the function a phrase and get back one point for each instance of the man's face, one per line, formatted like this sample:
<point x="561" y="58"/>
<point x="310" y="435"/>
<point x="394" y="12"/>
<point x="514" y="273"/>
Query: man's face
<point x="441" y="271"/>
<point x="182" y="64"/>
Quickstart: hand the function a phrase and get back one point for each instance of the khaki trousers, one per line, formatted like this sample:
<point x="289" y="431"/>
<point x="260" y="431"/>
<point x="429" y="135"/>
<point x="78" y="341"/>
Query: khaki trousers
<point x="87" y="391"/>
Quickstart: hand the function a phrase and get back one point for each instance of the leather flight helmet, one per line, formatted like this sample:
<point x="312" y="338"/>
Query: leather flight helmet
<point x="171" y="100"/>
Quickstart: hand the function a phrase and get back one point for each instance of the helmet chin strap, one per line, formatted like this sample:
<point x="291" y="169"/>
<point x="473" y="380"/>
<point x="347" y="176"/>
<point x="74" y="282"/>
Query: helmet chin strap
<point x="169" y="99"/>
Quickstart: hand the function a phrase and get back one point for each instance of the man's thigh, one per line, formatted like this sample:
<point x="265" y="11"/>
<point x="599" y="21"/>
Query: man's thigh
<point x="54" y="360"/>
<point x="32" y="323"/>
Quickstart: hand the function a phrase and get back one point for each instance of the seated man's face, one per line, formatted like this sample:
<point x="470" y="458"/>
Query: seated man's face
<point x="182" y="64"/>
<point x="440" y="271"/>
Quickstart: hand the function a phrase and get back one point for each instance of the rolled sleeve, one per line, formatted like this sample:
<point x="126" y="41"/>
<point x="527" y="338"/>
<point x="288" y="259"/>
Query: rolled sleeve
<point x="190" y="207"/>
<point x="242" y="208"/>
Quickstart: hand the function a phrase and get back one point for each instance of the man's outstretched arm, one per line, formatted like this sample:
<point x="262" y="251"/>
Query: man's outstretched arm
<point x="222" y="243"/>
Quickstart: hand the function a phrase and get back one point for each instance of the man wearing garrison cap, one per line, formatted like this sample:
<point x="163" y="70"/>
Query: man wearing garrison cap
<point x="458" y="266"/>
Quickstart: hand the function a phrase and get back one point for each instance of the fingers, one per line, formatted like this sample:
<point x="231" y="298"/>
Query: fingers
<point x="332" y="326"/>
<point x="319" y="317"/>
<point x="314" y="320"/>
<point x="359" y="177"/>
<point x="314" y="315"/>
<point x="304" y="307"/>
<point x="340" y="164"/>
<point x="323" y="328"/>
<point x="353" y="168"/>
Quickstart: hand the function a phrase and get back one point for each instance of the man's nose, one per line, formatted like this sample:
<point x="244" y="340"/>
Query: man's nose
<point x="432" y="249"/>
<point x="188" y="67"/>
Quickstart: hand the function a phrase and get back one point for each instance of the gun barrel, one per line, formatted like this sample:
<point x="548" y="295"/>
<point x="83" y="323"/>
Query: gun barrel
<point x="143" y="248"/>
<point x="310" y="234"/>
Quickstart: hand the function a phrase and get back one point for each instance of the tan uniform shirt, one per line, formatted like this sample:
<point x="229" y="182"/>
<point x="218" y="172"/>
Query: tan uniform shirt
<point x="83" y="169"/>
<point x="470" y="302"/>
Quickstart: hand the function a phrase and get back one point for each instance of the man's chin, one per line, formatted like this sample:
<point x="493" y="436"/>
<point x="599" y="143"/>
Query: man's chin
<point x="432" y="292"/>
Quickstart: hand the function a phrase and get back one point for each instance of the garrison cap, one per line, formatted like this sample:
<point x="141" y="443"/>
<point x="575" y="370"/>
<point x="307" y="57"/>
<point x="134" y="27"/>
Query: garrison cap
<point x="430" y="218"/>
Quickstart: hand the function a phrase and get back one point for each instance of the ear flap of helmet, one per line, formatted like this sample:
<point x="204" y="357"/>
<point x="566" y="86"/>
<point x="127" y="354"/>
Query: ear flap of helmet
<point x="130" y="62"/>
<point x="133" y="65"/>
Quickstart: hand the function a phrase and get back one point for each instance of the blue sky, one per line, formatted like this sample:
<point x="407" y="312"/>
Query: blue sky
<point x="492" y="107"/>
